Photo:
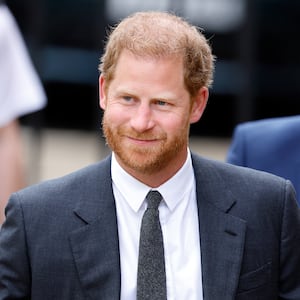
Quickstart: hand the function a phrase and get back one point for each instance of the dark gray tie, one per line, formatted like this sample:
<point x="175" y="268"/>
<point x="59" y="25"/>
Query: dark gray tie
<point x="151" y="278"/>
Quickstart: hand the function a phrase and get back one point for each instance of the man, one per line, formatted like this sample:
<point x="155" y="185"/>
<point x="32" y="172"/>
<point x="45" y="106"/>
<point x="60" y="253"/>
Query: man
<point x="271" y="145"/>
<point x="227" y="232"/>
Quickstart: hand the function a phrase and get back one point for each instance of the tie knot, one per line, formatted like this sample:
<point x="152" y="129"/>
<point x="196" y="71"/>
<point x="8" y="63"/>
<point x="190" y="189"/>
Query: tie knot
<point x="153" y="199"/>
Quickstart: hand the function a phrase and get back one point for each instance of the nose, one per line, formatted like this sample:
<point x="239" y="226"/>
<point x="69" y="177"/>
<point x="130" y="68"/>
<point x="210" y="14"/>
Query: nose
<point x="142" y="120"/>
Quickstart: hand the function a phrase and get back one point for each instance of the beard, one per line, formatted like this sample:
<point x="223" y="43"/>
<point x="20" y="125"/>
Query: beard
<point x="144" y="159"/>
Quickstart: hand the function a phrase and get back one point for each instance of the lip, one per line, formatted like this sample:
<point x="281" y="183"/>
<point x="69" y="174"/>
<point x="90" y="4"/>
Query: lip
<point x="142" y="141"/>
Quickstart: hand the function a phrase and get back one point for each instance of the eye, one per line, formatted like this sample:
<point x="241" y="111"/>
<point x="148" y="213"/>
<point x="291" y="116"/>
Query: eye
<point x="161" y="103"/>
<point x="127" y="98"/>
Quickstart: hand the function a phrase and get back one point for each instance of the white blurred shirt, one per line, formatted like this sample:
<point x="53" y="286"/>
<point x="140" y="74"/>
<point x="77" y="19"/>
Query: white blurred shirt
<point x="21" y="91"/>
<point x="179" y="221"/>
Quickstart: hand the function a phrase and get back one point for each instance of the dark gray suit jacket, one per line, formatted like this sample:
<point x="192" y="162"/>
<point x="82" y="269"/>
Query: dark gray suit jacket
<point x="60" y="240"/>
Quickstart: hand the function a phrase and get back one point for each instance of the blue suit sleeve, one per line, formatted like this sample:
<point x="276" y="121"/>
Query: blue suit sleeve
<point x="235" y="154"/>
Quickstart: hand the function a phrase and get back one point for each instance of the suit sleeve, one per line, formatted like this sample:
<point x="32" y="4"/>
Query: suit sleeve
<point x="14" y="262"/>
<point x="289" y="287"/>
<point x="235" y="154"/>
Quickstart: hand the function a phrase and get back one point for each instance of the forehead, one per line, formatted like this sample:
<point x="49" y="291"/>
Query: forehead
<point x="136" y="72"/>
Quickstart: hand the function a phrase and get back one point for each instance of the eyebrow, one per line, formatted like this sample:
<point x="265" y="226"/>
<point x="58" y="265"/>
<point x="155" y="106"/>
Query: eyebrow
<point x="162" y="97"/>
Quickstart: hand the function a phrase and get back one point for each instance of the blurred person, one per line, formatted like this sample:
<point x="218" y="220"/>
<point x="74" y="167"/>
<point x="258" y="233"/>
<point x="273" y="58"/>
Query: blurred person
<point x="271" y="145"/>
<point x="153" y="220"/>
<point x="21" y="93"/>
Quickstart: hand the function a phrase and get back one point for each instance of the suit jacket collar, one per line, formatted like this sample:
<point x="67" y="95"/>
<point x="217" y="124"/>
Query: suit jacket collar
<point x="222" y="235"/>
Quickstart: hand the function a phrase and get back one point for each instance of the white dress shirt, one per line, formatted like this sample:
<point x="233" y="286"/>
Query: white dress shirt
<point x="179" y="221"/>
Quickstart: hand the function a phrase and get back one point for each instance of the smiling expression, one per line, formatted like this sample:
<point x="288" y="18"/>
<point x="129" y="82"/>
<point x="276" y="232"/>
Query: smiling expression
<point x="147" y="114"/>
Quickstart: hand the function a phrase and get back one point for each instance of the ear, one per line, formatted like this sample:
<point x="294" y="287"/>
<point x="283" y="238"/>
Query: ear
<point x="102" y="92"/>
<point x="199" y="105"/>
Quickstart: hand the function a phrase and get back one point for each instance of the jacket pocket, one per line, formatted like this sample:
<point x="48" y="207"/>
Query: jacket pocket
<point x="255" y="279"/>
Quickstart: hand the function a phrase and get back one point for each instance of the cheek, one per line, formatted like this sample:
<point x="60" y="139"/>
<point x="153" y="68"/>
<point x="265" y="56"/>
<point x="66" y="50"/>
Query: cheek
<point x="175" y="124"/>
<point x="114" y="116"/>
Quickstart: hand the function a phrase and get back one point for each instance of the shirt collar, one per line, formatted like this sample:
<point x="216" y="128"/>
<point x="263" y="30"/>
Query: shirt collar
<point x="134" y="191"/>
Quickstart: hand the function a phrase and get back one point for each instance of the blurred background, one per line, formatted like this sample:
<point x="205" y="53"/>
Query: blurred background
<point x="256" y="43"/>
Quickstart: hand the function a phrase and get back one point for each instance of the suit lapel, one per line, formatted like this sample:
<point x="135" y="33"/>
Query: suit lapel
<point x="95" y="245"/>
<point x="222" y="235"/>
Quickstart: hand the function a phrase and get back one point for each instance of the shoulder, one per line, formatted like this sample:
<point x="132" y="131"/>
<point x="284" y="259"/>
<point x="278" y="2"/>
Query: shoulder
<point x="254" y="196"/>
<point x="239" y="182"/>
<point x="70" y="187"/>
<point x="229" y="172"/>
<point x="55" y="203"/>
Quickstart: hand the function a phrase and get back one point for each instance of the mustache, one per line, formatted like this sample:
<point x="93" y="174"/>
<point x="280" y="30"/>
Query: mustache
<point x="141" y="135"/>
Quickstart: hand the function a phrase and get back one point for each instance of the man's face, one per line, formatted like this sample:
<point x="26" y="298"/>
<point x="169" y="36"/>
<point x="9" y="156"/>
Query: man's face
<point x="147" y="113"/>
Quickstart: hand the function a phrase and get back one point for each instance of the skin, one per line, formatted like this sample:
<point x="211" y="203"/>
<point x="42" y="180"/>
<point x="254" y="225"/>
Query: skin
<point x="147" y="116"/>
<point x="12" y="174"/>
